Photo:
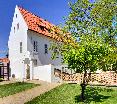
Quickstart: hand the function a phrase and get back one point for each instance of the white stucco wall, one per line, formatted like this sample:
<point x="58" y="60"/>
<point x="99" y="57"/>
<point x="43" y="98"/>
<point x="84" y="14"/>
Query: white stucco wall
<point x="20" y="35"/>
<point x="42" y="73"/>
<point x="42" y="58"/>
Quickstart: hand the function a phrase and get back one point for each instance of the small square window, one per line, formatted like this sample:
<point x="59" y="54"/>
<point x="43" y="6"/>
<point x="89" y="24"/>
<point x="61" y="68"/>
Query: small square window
<point x="42" y="28"/>
<point x="55" y="32"/>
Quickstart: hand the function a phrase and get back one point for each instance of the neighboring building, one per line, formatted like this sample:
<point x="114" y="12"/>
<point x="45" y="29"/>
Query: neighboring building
<point x="4" y="61"/>
<point x="30" y="39"/>
<point x="4" y="68"/>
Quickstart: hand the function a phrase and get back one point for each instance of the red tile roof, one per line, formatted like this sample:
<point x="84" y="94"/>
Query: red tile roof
<point x="37" y="24"/>
<point x="4" y="60"/>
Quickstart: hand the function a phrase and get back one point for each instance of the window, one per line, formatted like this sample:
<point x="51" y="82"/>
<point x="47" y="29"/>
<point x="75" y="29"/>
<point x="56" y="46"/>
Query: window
<point x="46" y="49"/>
<point x="14" y="29"/>
<point x="35" y="45"/>
<point x="55" y="32"/>
<point x="20" y="47"/>
<point x="49" y="30"/>
<point x="16" y="15"/>
<point x="18" y="26"/>
<point x="42" y="28"/>
<point x="35" y="62"/>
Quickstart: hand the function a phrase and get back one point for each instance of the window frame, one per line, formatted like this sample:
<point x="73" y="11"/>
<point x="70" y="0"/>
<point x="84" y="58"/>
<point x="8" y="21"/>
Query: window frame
<point x="46" y="48"/>
<point x="14" y="29"/>
<point x="16" y="15"/>
<point x="21" y="47"/>
<point x="35" y="46"/>
<point x="35" y="62"/>
<point x="17" y="26"/>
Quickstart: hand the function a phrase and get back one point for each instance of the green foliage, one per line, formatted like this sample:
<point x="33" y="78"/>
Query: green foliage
<point x="103" y="12"/>
<point x="91" y="26"/>
<point x="91" y="51"/>
<point x="94" y="38"/>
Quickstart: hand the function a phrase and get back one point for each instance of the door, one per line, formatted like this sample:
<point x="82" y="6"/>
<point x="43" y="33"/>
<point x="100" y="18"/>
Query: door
<point x="28" y="72"/>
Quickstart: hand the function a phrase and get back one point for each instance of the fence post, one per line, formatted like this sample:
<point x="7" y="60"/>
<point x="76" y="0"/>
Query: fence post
<point x="8" y="70"/>
<point x="3" y="71"/>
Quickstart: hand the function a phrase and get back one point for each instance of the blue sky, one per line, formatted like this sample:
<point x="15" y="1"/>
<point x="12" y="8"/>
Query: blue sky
<point x="51" y="10"/>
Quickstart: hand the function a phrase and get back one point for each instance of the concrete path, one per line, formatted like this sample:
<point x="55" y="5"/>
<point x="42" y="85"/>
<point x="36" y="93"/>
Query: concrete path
<point x="25" y="96"/>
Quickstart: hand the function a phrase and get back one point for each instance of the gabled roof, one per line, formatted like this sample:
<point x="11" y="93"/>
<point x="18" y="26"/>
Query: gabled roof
<point x="37" y="24"/>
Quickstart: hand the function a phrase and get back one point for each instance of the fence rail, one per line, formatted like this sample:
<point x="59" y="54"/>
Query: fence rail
<point x="106" y="78"/>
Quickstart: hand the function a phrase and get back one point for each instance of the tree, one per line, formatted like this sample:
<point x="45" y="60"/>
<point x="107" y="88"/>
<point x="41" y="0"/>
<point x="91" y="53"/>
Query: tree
<point x="84" y="41"/>
<point x="105" y="15"/>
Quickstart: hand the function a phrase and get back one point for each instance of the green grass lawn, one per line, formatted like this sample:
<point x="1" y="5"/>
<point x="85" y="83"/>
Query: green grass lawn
<point x="12" y="88"/>
<point x="70" y="94"/>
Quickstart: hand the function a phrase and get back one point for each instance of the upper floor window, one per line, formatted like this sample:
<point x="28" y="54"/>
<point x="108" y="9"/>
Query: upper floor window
<point x="20" y="47"/>
<point x="18" y="26"/>
<point x="14" y="29"/>
<point x="35" y="46"/>
<point x="16" y="15"/>
<point x="46" y="48"/>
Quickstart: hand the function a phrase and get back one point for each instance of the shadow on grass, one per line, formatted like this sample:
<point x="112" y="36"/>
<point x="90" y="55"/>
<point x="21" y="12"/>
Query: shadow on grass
<point x="92" y="94"/>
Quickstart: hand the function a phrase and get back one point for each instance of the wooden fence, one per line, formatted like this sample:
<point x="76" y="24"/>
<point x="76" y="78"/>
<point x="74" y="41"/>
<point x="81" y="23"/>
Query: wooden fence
<point x="4" y="71"/>
<point x="105" y="78"/>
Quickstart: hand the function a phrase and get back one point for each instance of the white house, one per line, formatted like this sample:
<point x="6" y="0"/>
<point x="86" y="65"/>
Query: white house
<point x="29" y="41"/>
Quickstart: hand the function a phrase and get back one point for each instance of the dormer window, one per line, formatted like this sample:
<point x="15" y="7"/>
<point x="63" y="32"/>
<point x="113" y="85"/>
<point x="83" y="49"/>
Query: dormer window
<point x="49" y="30"/>
<point x="18" y="26"/>
<point x="42" y="28"/>
<point x="55" y="32"/>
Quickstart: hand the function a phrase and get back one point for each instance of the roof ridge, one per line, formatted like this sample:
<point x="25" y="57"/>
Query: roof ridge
<point x="35" y="15"/>
<point x="37" y="24"/>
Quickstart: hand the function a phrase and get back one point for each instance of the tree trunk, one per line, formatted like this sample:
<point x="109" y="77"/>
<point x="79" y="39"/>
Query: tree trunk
<point x="83" y="86"/>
